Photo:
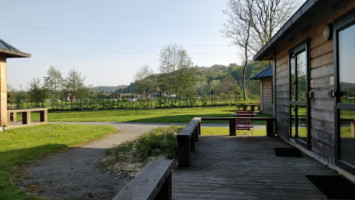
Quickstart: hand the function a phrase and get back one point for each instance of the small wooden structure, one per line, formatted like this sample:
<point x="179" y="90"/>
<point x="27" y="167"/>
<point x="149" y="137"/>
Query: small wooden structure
<point x="26" y="115"/>
<point x="266" y="92"/>
<point x="152" y="183"/>
<point x="313" y="81"/>
<point x="186" y="141"/>
<point x="6" y="51"/>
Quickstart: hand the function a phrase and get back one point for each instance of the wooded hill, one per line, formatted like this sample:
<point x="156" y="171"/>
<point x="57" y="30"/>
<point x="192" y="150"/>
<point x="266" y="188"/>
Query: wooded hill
<point x="217" y="79"/>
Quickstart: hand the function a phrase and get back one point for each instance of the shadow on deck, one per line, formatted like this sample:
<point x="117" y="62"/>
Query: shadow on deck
<point x="225" y="167"/>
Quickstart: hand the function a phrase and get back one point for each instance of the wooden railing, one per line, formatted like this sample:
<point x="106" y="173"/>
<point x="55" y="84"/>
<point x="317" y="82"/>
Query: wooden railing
<point x="186" y="141"/>
<point x="26" y="115"/>
<point x="153" y="182"/>
<point x="232" y="131"/>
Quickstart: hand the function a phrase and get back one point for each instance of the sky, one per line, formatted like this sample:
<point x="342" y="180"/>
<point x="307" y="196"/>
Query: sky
<point x="108" y="41"/>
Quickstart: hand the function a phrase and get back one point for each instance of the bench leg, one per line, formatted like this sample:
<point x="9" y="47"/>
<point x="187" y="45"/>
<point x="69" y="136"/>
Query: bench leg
<point x="270" y="128"/>
<point x="184" y="149"/>
<point x="8" y="118"/>
<point x="165" y="192"/>
<point x="232" y="127"/>
<point x="26" y="117"/>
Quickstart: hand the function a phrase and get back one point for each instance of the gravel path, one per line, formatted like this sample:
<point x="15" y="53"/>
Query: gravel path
<point x="77" y="173"/>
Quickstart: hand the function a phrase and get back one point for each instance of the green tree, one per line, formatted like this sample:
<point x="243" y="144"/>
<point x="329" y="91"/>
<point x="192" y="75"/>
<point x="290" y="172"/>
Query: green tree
<point x="54" y="82"/>
<point x="37" y="92"/>
<point x="74" y="86"/>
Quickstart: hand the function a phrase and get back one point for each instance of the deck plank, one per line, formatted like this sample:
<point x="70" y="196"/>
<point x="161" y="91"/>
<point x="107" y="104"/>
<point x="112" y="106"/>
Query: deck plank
<point x="225" y="167"/>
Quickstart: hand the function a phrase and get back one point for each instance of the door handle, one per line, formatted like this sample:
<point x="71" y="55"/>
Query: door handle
<point x="332" y="93"/>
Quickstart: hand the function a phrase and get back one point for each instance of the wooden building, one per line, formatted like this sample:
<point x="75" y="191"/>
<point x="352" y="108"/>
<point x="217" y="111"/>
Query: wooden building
<point x="266" y="96"/>
<point x="314" y="82"/>
<point x="6" y="51"/>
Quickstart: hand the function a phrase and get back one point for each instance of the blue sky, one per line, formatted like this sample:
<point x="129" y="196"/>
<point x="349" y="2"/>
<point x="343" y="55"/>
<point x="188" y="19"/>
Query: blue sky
<point x="107" y="41"/>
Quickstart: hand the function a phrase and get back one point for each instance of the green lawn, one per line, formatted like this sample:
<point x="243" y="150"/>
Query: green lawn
<point x="177" y="115"/>
<point x="225" y="131"/>
<point x="23" y="144"/>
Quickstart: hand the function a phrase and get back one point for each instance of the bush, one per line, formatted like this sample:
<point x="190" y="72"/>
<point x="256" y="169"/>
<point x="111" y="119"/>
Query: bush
<point x="132" y="156"/>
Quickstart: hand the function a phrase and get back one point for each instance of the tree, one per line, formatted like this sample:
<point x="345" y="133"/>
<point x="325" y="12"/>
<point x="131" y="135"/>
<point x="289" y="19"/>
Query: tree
<point x="74" y="86"/>
<point x="177" y="75"/>
<point x="37" y="92"/>
<point x="141" y="78"/>
<point x="252" y="23"/>
<point x="54" y="82"/>
<point x="239" y="29"/>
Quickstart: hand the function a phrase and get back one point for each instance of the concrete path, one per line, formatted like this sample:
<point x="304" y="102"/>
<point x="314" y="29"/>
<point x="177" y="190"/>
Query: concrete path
<point x="77" y="172"/>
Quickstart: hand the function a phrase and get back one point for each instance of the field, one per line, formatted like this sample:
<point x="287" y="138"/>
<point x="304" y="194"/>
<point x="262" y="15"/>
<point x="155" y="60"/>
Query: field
<point x="176" y="115"/>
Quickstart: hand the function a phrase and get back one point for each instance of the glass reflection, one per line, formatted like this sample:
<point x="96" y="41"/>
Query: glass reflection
<point x="293" y="79"/>
<point x="302" y="123"/>
<point x="293" y="121"/>
<point x="347" y="64"/>
<point x="301" y="76"/>
<point x="347" y="136"/>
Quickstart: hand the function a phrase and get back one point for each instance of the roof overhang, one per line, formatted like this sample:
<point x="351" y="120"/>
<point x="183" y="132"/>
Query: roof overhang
<point x="14" y="54"/>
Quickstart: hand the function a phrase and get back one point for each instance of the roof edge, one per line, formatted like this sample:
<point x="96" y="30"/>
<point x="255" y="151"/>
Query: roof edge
<point x="15" y="54"/>
<point x="295" y="18"/>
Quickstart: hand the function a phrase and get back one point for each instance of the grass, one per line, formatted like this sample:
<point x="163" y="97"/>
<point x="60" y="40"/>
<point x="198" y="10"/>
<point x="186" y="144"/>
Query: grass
<point x="18" y="146"/>
<point x="225" y="131"/>
<point x="177" y="115"/>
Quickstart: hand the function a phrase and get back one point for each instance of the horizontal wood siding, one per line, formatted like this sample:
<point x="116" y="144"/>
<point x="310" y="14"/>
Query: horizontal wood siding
<point x="321" y="77"/>
<point x="282" y="95"/>
<point x="267" y="101"/>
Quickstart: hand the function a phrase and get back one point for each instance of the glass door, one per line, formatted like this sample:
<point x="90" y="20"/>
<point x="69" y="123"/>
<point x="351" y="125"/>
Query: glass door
<point x="344" y="94"/>
<point x="299" y="89"/>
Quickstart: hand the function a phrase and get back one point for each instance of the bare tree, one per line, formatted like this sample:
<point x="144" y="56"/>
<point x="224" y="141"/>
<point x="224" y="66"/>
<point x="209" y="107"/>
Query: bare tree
<point x="252" y="23"/>
<point x="239" y="29"/>
<point x="141" y="79"/>
<point x="143" y="72"/>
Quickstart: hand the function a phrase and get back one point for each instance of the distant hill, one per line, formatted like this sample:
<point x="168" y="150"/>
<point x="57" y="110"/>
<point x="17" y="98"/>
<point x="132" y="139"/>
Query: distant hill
<point x="215" y="72"/>
<point x="108" y="88"/>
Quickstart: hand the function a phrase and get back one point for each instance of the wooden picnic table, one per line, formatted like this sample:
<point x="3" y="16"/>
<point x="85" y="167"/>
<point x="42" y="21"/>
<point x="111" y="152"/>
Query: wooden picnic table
<point x="251" y="105"/>
<point x="232" y="131"/>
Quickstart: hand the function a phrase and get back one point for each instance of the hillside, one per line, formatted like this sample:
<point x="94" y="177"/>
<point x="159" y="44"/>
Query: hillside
<point x="207" y="76"/>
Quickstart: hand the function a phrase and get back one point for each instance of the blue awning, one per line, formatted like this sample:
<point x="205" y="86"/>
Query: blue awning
<point x="266" y="73"/>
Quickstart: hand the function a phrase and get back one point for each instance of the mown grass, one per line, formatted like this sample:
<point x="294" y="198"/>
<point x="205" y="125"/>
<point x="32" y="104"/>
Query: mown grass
<point x="18" y="146"/>
<point x="177" y="115"/>
<point x="225" y="131"/>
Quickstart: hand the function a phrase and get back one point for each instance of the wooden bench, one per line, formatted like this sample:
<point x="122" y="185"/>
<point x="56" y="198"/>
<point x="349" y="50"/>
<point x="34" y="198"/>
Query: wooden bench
<point x="186" y="141"/>
<point x="232" y="131"/>
<point x="26" y="115"/>
<point x="153" y="182"/>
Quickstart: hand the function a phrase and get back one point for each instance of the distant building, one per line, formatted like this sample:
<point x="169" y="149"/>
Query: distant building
<point x="266" y="90"/>
<point x="6" y="51"/>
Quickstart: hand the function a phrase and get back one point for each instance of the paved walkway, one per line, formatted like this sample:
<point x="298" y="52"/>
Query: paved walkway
<point x="77" y="173"/>
<point x="229" y="168"/>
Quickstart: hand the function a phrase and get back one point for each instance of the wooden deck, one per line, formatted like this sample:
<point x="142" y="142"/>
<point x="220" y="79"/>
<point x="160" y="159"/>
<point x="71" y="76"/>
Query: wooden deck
<point x="225" y="167"/>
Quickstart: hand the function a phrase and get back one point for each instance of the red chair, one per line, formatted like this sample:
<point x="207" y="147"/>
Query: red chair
<point x="243" y="124"/>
